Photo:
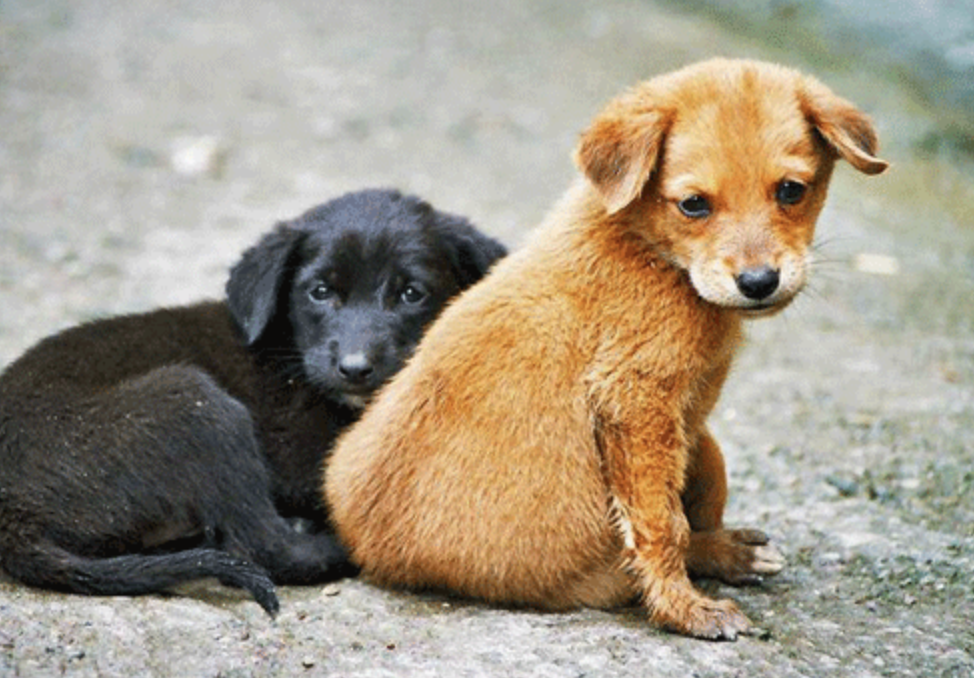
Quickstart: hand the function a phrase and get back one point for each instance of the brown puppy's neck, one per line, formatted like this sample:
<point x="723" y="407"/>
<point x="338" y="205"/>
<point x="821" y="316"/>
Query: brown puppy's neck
<point x="626" y="238"/>
<point x="585" y="251"/>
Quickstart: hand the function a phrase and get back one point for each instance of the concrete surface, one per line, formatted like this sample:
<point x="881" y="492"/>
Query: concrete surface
<point x="143" y="145"/>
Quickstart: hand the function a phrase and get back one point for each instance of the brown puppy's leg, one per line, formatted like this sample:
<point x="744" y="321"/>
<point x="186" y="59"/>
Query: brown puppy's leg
<point x="736" y="557"/>
<point x="644" y="470"/>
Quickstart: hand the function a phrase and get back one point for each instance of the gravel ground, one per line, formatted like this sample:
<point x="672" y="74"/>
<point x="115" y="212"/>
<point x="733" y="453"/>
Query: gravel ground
<point x="143" y="145"/>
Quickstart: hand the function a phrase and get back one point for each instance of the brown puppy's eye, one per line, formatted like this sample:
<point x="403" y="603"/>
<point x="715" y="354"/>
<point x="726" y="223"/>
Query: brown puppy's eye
<point x="790" y="192"/>
<point x="695" y="207"/>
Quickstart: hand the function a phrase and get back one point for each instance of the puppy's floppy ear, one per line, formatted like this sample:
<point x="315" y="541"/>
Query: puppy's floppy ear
<point x="619" y="151"/>
<point x="256" y="280"/>
<point x="471" y="252"/>
<point x="846" y="129"/>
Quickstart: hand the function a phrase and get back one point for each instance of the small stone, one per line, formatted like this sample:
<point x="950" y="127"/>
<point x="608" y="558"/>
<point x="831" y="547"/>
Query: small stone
<point x="876" y="264"/>
<point x="847" y="487"/>
<point x="331" y="590"/>
<point x="758" y="633"/>
<point x="197" y="156"/>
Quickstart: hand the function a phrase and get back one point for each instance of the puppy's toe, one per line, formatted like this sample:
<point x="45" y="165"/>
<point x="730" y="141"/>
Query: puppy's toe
<point x="749" y="536"/>
<point x="716" y="620"/>
<point x="768" y="561"/>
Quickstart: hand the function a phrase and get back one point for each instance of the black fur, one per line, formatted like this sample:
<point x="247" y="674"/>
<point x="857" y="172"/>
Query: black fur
<point x="143" y="451"/>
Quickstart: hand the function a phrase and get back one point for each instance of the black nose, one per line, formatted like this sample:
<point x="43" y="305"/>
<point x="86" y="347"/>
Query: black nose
<point x="758" y="283"/>
<point x="355" y="368"/>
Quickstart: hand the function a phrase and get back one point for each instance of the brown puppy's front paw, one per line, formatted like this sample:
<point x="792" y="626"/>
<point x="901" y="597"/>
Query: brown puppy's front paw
<point x="708" y="619"/>
<point x="736" y="557"/>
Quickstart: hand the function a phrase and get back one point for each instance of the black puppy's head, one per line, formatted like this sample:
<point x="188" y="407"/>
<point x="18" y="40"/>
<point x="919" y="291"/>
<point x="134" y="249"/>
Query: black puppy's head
<point x="347" y="288"/>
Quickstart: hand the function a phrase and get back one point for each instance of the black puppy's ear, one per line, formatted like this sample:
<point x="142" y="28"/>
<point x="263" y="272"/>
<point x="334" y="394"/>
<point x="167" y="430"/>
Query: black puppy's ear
<point x="256" y="280"/>
<point x="472" y="252"/>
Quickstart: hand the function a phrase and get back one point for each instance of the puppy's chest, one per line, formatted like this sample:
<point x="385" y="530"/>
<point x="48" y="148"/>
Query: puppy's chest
<point x="296" y="431"/>
<point x="658" y="328"/>
<point x="663" y="347"/>
<point x="293" y="417"/>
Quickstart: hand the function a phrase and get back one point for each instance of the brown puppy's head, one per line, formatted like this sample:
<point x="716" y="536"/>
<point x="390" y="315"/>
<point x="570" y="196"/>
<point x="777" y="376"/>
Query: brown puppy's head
<point x="724" y="167"/>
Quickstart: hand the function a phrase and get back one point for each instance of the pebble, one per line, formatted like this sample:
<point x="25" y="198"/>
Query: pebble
<point x="197" y="156"/>
<point x="876" y="264"/>
<point x="847" y="487"/>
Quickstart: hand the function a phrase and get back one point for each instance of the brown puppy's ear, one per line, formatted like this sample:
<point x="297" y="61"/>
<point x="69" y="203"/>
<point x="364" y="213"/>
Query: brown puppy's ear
<point x="618" y="153"/>
<point x="847" y="129"/>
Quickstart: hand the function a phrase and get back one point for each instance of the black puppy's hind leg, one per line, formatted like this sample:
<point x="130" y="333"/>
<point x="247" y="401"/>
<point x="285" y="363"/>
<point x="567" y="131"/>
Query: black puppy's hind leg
<point x="250" y="524"/>
<point x="233" y="498"/>
<point x="165" y="459"/>
<point x="107" y="487"/>
<point x="293" y="557"/>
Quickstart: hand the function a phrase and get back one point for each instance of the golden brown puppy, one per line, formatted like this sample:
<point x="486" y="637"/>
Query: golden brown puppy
<point x="547" y="444"/>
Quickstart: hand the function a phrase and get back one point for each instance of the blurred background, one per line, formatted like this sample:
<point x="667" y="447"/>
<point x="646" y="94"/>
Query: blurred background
<point x="145" y="143"/>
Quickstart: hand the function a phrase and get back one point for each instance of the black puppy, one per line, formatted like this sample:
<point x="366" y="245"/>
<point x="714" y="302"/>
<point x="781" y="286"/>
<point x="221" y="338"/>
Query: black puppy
<point x="148" y="450"/>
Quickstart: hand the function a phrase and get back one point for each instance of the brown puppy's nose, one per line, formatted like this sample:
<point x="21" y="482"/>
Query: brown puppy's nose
<point x="757" y="283"/>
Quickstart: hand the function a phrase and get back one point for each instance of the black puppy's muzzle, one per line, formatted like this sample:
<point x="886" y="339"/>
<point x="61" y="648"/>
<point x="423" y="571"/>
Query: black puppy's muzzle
<point x="361" y="353"/>
<point x="356" y="369"/>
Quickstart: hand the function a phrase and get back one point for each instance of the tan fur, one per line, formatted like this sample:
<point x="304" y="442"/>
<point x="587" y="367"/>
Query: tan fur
<point x="547" y="444"/>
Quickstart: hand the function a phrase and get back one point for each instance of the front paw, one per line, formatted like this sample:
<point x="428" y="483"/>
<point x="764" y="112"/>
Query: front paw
<point x="707" y="619"/>
<point x="736" y="557"/>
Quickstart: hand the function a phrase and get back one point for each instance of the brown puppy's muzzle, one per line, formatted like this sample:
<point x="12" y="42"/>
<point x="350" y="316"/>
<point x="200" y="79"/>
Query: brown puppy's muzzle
<point x="758" y="283"/>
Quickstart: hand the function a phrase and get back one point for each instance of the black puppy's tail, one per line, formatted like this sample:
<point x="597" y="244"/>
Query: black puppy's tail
<point x="52" y="567"/>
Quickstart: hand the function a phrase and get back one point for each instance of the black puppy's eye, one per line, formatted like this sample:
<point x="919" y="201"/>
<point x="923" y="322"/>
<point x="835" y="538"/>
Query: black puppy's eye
<point x="695" y="207"/>
<point x="790" y="192"/>
<point x="321" y="292"/>
<point x="413" y="294"/>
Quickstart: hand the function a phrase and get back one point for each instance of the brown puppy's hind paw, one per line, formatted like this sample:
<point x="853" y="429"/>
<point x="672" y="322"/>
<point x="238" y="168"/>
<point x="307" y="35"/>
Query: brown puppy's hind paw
<point x="736" y="557"/>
